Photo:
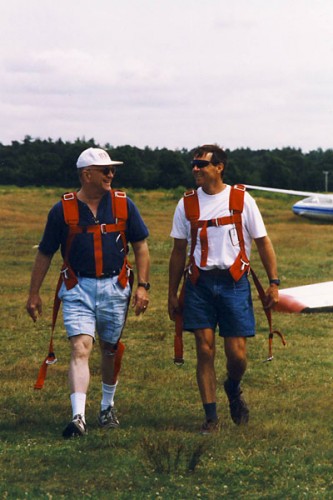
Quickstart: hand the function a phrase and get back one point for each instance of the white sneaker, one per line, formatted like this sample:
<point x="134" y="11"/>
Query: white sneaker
<point x="76" y="428"/>
<point x="107" y="418"/>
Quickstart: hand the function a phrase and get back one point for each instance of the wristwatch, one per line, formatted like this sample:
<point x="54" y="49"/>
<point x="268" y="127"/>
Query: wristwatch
<point x="146" y="286"/>
<point x="275" y="281"/>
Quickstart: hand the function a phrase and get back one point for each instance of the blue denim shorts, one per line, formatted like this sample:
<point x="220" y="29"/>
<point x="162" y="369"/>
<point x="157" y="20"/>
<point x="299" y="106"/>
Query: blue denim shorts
<point x="95" y="305"/>
<point x="219" y="300"/>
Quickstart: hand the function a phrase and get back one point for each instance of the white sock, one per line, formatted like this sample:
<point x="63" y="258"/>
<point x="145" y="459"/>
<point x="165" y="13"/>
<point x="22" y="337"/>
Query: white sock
<point x="108" y="392"/>
<point x="78" y="400"/>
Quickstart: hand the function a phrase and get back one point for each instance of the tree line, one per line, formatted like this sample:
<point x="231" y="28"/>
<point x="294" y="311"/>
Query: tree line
<point x="36" y="162"/>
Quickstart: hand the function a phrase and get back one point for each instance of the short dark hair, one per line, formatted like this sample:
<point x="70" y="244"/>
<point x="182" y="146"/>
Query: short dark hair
<point x="218" y="156"/>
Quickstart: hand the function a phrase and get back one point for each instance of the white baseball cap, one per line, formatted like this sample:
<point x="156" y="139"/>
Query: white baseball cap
<point x="95" y="156"/>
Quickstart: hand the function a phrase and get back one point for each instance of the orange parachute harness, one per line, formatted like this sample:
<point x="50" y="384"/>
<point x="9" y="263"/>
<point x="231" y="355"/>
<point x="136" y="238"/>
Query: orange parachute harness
<point x="240" y="266"/>
<point x="67" y="275"/>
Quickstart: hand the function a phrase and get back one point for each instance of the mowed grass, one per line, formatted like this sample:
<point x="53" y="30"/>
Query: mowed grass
<point x="286" y="451"/>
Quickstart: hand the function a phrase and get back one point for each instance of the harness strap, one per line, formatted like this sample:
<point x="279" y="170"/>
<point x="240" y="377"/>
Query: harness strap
<point x="71" y="216"/>
<point x="98" y="231"/>
<point x="204" y="245"/>
<point x="50" y="358"/>
<point x="236" y="205"/>
<point x="178" y="338"/>
<point x="125" y="274"/>
<point x="218" y="221"/>
<point x="191" y="205"/>
<point x="117" y="361"/>
<point x="119" y="204"/>
<point x="236" y="199"/>
<point x="268" y="313"/>
<point x="192" y="213"/>
<point x="69" y="205"/>
<point x="120" y="348"/>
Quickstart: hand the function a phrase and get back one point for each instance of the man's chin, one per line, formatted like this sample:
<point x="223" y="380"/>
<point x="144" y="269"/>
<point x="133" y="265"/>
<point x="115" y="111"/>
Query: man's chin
<point x="198" y="181"/>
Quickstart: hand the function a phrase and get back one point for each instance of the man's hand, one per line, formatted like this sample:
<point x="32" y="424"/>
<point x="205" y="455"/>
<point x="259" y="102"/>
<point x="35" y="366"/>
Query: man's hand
<point x="173" y="307"/>
<point x="34" y="302"/>
<point x="140" y="300"/>
<point x="272" y="296"/>
<point x="34" y="306"/>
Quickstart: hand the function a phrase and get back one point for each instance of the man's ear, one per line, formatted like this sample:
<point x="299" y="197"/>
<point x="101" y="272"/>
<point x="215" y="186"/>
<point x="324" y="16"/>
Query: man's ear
<point x="221" y="168"/>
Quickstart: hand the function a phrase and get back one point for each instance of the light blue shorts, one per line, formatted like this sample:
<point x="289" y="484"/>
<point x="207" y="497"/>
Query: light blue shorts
<point x="216" y="300"/>
<point x="95" y="305"/>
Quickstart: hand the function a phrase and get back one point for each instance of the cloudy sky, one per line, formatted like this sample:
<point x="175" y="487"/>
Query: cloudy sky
<point x="168" y="73"/>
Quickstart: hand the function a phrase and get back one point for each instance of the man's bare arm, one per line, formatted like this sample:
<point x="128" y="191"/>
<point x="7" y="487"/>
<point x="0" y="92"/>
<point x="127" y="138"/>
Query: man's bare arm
<point x="142" y="262"/>
<point x="40" y="268"/>
<point x="268" y="259"/>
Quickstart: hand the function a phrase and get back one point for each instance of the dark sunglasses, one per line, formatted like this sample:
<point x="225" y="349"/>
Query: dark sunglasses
<point x="106" y="170"/>
<point x="200" y="163"/>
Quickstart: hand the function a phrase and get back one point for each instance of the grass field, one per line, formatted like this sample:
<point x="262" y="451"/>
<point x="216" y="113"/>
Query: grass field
<point x="285" y="452"/>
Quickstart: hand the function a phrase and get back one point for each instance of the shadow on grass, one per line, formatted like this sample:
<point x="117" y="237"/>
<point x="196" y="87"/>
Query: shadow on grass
<point x="166" y="455"/>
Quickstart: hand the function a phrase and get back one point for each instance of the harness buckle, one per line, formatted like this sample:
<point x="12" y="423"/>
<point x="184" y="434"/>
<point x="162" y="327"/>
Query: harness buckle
<point x="179" y="362"/>
<point x="244" y="264"/>
<point x="103" y="229"/>
<point x="64" y="273"/>
<point x="51" y="359"/>
<point x="120" y="194"/>
<point x="189" y="193"/>
<point x="68" y="196"/>
<point x="240" y="187"/>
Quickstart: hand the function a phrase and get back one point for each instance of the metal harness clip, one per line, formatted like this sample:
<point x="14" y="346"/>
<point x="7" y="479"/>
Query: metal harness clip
<point x="244" y="264"/>
<point x="64" y="272"/>
<point x="68" y="196"/>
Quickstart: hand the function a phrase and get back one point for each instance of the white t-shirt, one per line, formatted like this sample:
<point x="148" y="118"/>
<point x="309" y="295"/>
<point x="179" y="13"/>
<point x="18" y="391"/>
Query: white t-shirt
<point x="222" y="251"/>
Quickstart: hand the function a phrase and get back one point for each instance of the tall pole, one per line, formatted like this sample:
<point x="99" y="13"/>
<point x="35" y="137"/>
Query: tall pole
<point x="325" y="172"/>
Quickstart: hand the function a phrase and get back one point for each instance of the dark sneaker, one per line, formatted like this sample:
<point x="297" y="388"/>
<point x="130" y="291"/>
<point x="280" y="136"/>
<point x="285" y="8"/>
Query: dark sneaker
<point x="239" y="411"/>
<point x="76" y="428"/>
<point x="209" y="427"/>
<point x="107" y="418"/>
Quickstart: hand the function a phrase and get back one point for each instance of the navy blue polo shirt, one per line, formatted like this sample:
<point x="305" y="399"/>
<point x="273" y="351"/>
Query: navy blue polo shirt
<point x="81" y="257"/>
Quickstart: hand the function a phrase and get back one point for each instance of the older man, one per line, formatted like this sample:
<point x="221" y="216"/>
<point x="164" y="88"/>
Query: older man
<point x="92" y="227"/>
